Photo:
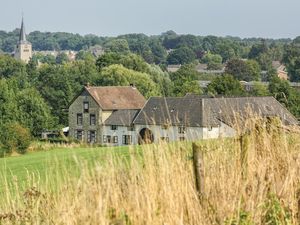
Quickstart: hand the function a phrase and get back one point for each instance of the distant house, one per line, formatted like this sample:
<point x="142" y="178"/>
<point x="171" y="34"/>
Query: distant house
<point x="281" y="70"/>
<point x="121" y="116"/>
<point x="200" y="67"/>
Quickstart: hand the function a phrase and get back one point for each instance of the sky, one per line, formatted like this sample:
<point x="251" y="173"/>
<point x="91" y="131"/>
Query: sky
<point x="243" y="18"/>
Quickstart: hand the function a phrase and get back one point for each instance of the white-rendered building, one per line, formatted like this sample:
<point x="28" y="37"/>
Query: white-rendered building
<point x="116" y="116"/>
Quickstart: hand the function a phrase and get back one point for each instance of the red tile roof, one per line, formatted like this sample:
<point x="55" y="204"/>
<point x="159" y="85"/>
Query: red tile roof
<point x="117" y="97"/>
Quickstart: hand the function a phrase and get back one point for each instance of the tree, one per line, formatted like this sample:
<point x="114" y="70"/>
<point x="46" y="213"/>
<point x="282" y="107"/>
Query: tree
<point x="225" y="85"/>
<point x="291" y="58"/>
<point x="286" y="95"/>
<point x="185" y="81"/>
<point x="158" y="51"/>
<point x="34" y="112"/>
<point x="62" y="58"/>
<point x="118" y="45"/>
<point x="243" y="70"/>
<point x="182" y="55"/>
<point x="84" y="55"/>
<point x="118" y="75"/>
<point x="260" y="89"/>
<point x="258" y="49"/>
<point x="10" y="67"/>
<point x="162" y="79"/>
<point x="213" y="61"/>
<point x="15" y="137"/>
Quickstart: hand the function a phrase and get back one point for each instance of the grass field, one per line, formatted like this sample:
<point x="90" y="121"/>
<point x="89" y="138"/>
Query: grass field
<point x="19" y="170"/>
<point x="255" y="181"/>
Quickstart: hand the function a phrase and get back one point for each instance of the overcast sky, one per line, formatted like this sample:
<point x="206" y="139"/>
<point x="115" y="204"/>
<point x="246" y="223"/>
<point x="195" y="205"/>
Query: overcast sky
<point x="244" y="18"/>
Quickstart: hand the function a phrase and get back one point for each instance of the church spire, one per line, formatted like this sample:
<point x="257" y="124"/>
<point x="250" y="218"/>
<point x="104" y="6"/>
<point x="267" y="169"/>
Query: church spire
<point x="22" y="37"/>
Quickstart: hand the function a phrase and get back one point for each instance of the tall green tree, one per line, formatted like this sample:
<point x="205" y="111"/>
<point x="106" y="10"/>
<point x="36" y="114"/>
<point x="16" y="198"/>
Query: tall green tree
<point x="185" y="81"/>
<point x="243" y="70"/>
<point x="225" y="85"/>
<point x="182" y="55"/>
<point x="118" y="75"/>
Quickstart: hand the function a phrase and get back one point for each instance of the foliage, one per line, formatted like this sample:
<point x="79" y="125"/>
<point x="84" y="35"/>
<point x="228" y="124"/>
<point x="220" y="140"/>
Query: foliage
<point x="243" y="70"/>
<point x="225" y="85"/>
<point x="10" y="67"/>
<point x="15" y="137"/>
<point x="213" y="61"/>
<point x="182" y="55"/>
<point x="286" y="95"/>
<point x="260" y="89"/>
<point x="291" y="58"/>
<point x="62" y="58"/>
<point x="185" y="81"/>
<point x="130" y="61"/>
<point x="118" y="75"/>
<point x="274" y="212"/>
<point x="117" y="45"/>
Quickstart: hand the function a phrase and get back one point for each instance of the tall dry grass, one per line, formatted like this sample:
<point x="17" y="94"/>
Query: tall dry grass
<point x="259" y="184"/>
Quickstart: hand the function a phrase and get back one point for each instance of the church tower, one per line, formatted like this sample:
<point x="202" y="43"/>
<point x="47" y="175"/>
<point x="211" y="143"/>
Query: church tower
<point x="24" y="49"/>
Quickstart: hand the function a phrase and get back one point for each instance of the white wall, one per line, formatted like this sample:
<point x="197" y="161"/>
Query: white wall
<point x="121" y="130"/>
<point x="191" y="134"/>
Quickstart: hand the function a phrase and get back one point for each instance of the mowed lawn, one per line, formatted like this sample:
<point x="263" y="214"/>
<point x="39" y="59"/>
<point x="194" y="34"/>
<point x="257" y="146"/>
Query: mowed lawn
<point x="42" y="165"/>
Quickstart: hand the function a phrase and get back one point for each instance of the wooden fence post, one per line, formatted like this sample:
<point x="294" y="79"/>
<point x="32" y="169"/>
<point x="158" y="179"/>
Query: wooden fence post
<point x="198" y="162"/>
<point x="244" y="144"/>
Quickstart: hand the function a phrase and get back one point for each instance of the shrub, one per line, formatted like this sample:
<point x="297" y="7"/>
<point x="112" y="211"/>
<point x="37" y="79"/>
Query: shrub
<point x="15" y="137"/>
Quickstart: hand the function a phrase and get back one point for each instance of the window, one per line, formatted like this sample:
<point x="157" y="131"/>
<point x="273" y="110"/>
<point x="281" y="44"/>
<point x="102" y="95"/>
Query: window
<point x="79" y="119"/>
<point x="107" y="139"/>
<point x="181" y="138"/>
<point x="91" y="138"/>
<point x="86" y="107"/>
<point x="127" y="139"/>
<point x="114" y="127"/>
<point x="166" y="139"/>
<point x="210" y="128"/>
<point x="181" y="130"/>
<point x="79" y="134"/>
<point x="92" y="119"/>
<point x="115" y="139"/>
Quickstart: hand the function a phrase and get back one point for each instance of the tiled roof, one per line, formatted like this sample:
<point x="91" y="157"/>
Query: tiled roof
<point x="195" y="111"/>
<point x="123" y="117"/>
<point x="173" y="111"/>
<point x="117" y="97"/>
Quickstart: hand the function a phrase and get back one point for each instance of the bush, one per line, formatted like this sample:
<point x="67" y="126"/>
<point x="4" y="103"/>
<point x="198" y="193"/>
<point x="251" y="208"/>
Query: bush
<point x="15" y="137"/>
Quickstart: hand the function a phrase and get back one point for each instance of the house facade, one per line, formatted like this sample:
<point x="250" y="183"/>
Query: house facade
<point x="97" y="117"/>
<point x="94" y="105"/>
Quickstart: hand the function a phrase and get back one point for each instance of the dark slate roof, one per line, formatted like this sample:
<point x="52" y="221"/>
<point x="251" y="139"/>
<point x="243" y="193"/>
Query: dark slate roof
<point x="173" y="111"/>
<point x="22" y="37"/>
<point x="117" y="97"/>
<point x="229" y="110"/>
<point x="123" y="117"/>
<point x="197" y="111"/>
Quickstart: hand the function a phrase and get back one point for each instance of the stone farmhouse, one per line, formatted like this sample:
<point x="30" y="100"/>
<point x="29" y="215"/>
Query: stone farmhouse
<point x="121" y="116"/>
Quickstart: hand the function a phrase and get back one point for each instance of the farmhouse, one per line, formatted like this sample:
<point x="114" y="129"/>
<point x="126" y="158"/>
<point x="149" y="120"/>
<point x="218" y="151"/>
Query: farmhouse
<point x="121" y="116"/>
<point x="89" y="111"/>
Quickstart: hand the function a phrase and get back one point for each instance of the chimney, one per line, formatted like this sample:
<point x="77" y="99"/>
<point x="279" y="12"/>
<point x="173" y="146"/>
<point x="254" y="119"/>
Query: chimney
<point x="87" y="85"/>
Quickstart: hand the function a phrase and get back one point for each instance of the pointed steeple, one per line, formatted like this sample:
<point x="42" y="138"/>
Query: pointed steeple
<point x="22" y="37"/>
